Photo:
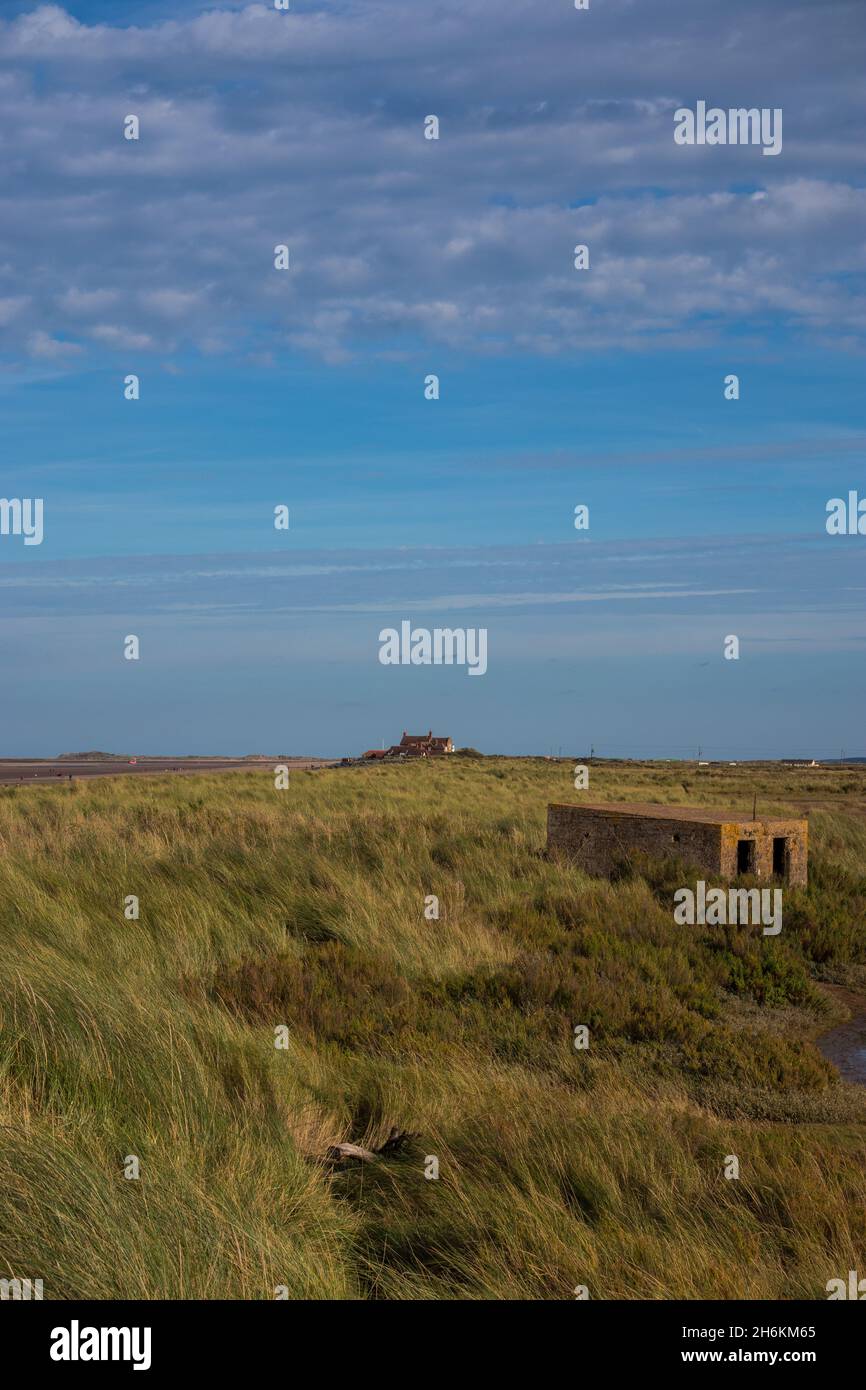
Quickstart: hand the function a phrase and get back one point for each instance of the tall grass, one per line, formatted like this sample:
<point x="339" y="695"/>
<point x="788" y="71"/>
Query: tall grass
<point x="305" y="908"/>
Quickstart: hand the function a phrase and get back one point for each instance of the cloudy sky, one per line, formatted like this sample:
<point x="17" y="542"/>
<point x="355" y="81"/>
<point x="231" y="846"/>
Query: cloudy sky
<point x="409" y="257"/>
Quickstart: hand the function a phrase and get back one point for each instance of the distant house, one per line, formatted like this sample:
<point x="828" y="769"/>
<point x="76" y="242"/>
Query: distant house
<point x="421" y="745"/>
<point x="375" y="753"/>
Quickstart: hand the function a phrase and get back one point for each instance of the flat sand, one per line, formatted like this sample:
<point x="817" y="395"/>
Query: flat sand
<point x="15" y="770"/>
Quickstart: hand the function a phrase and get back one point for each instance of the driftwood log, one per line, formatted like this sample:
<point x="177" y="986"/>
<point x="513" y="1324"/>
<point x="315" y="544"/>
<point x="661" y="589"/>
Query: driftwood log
<point x="354" y="1153"/>
<point x="342" y="1153"/>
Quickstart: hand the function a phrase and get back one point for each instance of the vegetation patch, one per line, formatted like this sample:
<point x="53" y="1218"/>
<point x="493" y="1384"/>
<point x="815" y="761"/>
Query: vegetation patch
<point x="303" y="913"/>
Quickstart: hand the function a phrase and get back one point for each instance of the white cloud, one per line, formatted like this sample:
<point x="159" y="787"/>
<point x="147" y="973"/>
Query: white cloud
<point x="397" y="241"/>
<point x="171" y="304"/>
<point x="84" y="302"/>
<point x="41" y="344"/>
<point x="11" y="307"/>
<point x="118" y="337"/>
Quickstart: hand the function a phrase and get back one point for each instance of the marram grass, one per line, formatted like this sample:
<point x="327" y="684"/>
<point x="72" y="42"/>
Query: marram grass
<point x="305" y="908"/>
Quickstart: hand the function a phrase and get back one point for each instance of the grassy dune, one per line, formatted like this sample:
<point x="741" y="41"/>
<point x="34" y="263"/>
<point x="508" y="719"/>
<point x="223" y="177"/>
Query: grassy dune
<point x="305" y="908"/>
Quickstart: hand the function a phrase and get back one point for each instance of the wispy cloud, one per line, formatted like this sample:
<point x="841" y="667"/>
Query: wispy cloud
<point x="806" y="575"/>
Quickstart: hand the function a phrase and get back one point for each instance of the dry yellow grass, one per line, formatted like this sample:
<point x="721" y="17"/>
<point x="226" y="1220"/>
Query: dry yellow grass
<point x="304" y="908"/>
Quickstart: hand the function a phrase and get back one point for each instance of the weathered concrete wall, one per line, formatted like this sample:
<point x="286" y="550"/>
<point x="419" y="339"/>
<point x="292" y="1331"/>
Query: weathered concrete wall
<point x="597" y="840"/>
<point x="763" y="832"/>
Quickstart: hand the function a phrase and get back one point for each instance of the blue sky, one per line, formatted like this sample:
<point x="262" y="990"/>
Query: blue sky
<point x="411" y="257"/>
